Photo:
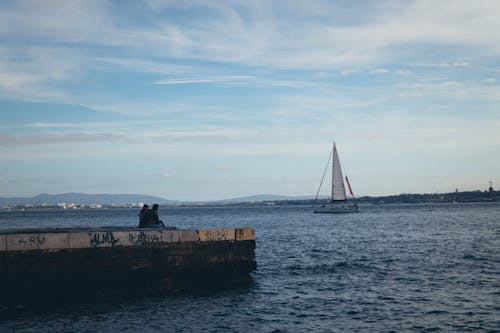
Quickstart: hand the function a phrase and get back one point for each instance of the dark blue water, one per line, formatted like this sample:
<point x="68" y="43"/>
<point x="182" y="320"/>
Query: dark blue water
<point x="389" y="268"/>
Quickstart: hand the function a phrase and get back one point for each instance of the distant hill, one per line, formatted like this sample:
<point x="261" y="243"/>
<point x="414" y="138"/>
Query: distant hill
<point x="82" y="198"/>
<point x="464" y="196"/>
<point x="263" y="197"/>
<point x="117" y="199"/>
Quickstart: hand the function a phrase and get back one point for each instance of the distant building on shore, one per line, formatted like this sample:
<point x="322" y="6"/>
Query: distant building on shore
<point x="492" y="192"/>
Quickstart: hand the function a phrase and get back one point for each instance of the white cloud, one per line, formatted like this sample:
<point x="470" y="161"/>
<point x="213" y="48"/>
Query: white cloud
<point x="166" y="175"/>
<point x="403" y="72"/>
<point x="256" y="34"/>
<point x="348" y="72"/>
<point x="53" y="24"/>
<point x="54" y="125"/>
<point x="379" y="71"/>
<point x="410" y="94"/>
<point x="321" y="75"/>
<point x="206" y="80"/>
<point x="70" y="38"/>
<point x="461" y="64"/>
<point x="221" y="167"/>
<point x="40" y="139"/>
<point x="61" y="52"/>
<point x="204" y="134"/>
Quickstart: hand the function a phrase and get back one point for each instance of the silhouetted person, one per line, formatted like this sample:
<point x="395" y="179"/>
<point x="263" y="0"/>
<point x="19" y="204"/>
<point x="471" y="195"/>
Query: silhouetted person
<point x="142" y="216"/>
<point x="151" y="219"/>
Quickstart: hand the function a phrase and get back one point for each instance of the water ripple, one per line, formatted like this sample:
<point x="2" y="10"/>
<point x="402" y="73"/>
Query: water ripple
<point x="395" y="268"/>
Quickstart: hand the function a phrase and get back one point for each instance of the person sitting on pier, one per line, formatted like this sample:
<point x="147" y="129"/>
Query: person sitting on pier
<point x="142" y="215"/>
<point x="152" y="219"/>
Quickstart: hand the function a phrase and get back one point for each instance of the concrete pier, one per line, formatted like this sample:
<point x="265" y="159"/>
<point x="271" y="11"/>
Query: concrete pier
<point x="100" y="259"/>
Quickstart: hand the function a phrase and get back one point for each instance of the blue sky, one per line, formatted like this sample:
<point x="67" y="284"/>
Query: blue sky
<point x="205" y="100"/>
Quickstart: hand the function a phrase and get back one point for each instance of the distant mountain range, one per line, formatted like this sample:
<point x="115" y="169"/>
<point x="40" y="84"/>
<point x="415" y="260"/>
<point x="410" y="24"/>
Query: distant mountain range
<point x="111" y="199"/>
<point x="117" y="199"/>
<point x="264" y="197"/>
<point x="87" y="199"/>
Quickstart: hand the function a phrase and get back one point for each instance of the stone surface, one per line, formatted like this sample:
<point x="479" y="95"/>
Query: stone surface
<point x="188" y="236"/>
<point x="245" y="234"/>
<point x="104" y="239"/>
<point x="3" y="242"/>
<point x="79" y="240"/>
<point x="54" y="239"/>
<point x="81" y="270"/>
<point x="170" y="236"/>
<point x="139" y="238"/>
<point x="216" y="234"/>
<point x="24" y="242"/>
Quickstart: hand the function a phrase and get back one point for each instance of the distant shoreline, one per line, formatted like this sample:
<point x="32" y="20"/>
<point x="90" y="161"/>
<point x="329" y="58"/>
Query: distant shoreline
<point x="454" y="197"/>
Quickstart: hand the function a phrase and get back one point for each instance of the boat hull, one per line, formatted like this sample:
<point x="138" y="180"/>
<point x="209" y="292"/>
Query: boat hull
<point x="336" y="209"/>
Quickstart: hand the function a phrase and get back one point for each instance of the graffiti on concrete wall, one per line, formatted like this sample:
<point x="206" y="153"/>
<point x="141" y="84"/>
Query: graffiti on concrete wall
<point x="103" y="238"/>
<point x="143" y="238"/>
<point x="216" y="234"/>
<point x="32" y="241"/>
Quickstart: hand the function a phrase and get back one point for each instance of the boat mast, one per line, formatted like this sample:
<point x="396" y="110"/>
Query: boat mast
<point x="334" y="153"/>
<point x="323" y="178"/>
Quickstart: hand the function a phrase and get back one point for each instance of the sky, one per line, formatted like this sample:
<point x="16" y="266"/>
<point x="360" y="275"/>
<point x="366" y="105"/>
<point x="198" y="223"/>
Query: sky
<point x="207" y="100"/>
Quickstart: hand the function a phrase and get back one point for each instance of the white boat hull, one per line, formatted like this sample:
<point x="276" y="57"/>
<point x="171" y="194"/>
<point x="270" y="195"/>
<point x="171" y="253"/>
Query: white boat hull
<point x="336" y="209"/>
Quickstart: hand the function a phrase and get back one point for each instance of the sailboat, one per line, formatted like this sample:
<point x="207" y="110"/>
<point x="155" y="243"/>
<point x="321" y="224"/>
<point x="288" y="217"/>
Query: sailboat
<point x="338" y="202"/>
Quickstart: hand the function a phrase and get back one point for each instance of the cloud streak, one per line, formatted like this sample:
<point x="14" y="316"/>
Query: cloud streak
<point x="42" y="139"/>
<point x="312" y="36"/>
<point x="206" y="80"/>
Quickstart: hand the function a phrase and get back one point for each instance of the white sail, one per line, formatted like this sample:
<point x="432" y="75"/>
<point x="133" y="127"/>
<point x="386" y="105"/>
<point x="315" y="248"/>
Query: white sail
<point x="338" y="188"/>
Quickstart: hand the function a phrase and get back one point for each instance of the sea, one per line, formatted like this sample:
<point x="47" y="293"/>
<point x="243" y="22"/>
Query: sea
<point x="389" y="268"/>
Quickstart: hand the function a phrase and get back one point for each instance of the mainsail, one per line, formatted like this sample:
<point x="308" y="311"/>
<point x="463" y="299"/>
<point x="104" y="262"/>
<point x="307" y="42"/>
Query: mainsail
<point x="338" y="188"/>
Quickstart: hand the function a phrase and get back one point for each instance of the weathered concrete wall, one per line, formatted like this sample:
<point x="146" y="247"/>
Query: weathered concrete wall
<point x="18" y="240"/>
<point x="70" y="260"/>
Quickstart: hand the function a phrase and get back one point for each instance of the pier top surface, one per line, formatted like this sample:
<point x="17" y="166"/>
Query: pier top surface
<point x="77" y="229"/>
<point x="100" y="237"/>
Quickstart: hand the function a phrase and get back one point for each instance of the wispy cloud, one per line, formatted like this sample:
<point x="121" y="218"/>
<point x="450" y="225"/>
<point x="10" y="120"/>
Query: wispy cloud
<point x="205" y="134"/>
<point x="264" y="82"/>
<point x="40" y="139"/>
<point x="166" y="175"/>
<point x="221" y="167"/>
<point x="256" y="34"/>
<point x="54" y="125"/>
<point x="206" y="80"/>
<point x="76" y="38"/>
<point x="379" y="71"/>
